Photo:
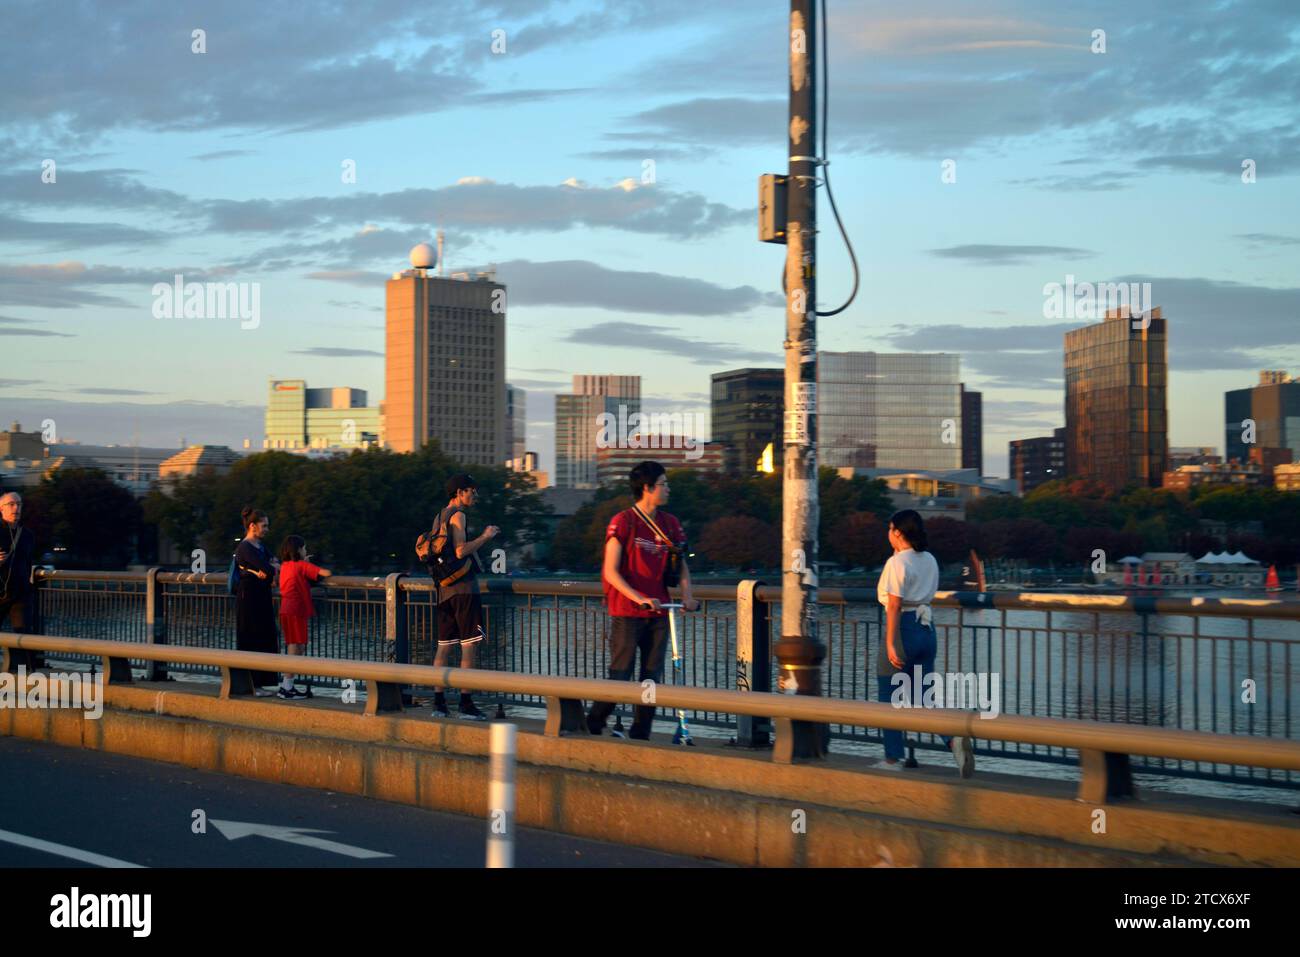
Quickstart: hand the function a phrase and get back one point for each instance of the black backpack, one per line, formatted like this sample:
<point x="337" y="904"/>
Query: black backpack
<point x="436" y="547"/>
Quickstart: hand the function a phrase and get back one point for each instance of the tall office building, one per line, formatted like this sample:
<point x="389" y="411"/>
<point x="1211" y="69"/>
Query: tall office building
<point x="1035" y="461"/>
<point x="1274" y="408"/>
<point x="972" y="430"/>
<point x="1116" y="415"/>
<point x="578" y="425"/>
<point x="516" y="422"/>
<point x="444" y="364"/>
<point x="745" y="412"/>
<point x="889" y="410"/>
<point x="300" y="418"/>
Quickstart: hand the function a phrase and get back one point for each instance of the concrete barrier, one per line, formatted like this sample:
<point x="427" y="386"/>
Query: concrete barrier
<point x="707" y="802"/>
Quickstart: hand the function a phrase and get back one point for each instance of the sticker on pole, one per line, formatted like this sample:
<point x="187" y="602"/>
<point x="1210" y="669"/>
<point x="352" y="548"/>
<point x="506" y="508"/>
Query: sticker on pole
<point x="796" y="428"/>
<point x="805" y="397"/>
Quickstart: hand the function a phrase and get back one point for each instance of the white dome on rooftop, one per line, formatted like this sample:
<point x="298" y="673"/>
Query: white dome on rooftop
<point x="423" y="256"/>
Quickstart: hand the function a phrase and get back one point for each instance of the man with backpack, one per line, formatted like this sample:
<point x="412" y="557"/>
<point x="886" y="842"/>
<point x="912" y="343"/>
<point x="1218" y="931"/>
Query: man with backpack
<point x="453" y="565"/>
<point x="645" y="555"/>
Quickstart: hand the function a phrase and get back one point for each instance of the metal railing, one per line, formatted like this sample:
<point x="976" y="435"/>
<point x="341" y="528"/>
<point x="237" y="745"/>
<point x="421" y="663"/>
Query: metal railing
<point x="1103" y="748"/>
<point x="1216" y="665"/>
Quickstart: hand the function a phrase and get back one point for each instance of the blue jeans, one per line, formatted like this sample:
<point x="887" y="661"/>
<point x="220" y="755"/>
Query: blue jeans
<point x="919" y="648"/>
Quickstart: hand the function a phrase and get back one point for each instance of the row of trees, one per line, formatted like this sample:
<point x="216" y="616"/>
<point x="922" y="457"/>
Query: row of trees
<point x="361" y="513"/>
<point x="736" y="523"/>
<point x="730" y="521"/>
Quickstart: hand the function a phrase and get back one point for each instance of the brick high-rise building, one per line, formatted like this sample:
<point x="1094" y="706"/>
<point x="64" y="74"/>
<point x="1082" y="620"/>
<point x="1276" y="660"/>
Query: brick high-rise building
<point x="444" y="363"/>
<point x="1116" y="414"/>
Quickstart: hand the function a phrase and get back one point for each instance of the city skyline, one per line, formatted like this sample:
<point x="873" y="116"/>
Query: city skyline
<point x="666" y="278"/>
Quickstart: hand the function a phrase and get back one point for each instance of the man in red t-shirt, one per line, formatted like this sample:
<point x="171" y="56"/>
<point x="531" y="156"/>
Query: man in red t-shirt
<point x="637" y="542"/>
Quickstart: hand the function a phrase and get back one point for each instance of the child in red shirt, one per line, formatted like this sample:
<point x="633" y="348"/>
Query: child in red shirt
<point x="296" y="576"/>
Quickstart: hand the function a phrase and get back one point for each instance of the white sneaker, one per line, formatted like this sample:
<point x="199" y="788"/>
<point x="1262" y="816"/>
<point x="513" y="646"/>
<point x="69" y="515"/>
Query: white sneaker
<point x="890" y="766"/>
<point x="964" y="755"/>
<point x="262" y="693"/>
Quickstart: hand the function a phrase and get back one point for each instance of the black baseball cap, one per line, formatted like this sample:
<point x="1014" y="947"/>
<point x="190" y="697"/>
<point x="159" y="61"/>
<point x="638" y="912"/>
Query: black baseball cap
<point x="458" y="483"/>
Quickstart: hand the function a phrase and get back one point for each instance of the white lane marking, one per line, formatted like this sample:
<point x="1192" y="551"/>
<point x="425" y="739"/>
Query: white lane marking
<point x="63" y="850"/>
<point x="234" y="830"/>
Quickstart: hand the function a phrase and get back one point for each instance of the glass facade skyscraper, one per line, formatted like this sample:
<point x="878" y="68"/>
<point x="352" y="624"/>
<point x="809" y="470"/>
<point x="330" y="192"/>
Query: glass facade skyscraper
<point x="745" y="415"/>
<point x="1116" y="416"/>
<point x="889" y="410"/>
<point x="1273" y="406"/>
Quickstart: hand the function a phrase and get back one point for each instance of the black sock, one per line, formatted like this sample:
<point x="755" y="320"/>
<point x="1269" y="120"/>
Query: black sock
<point x="439" y="699"/>
<point x="465" y="700"/>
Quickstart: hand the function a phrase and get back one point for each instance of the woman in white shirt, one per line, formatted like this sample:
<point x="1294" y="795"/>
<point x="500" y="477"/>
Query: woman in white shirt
<point x="907" y="586"/>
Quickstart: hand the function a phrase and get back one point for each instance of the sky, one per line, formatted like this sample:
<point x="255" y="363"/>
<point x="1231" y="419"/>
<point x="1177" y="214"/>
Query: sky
<point x="605" y="158"/>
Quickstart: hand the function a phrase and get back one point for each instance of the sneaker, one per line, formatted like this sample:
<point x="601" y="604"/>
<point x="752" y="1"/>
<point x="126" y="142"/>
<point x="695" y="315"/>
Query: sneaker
<point x="964" y="755"/>
<point x="440" y="710"/>
<point x="470" y="712"/>
<point x="889" y="766"/>
<point x="618" y="733"/>
<point x="262" y="693"/>
<point x="289" y="693"/>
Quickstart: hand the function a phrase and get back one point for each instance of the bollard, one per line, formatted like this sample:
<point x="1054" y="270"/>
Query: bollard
<point x="501" y="797"/>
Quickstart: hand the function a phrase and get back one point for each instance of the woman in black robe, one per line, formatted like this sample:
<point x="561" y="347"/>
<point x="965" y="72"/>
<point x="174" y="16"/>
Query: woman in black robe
<point x="254" y="611"/>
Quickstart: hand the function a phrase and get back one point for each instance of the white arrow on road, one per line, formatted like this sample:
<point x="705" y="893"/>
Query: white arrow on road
<point x="234" y="830"/>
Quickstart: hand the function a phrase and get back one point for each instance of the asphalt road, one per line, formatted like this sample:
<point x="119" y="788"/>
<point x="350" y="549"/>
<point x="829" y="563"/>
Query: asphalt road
<point x="99" y="809"/>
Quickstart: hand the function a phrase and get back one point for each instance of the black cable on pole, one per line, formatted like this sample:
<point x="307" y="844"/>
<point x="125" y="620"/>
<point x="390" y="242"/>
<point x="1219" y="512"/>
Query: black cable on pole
<point x="824" y="49"/>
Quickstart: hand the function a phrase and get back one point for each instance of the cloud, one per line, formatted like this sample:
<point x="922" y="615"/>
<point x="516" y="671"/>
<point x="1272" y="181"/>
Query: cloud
<point x="1101" y="181"/>
<point x="222" y="154"/>
<point x="1269" y="239"/>
<point x="584" y="283"/>
<point x="1031" y="355"/>
<point x="666" y="341"/>
<point x="988" y="254"/>
<point x="97" y="188"/>
<point x="62" y="285"/>
<point x="355" y="277"/>
<point x="40" y="333"/>
<point x="326" y="352"/>
<point x="92" y="390"/>
<point x="490" y="207"/>
<point x="15" y="383"/>
<point x="936" y="81"/>
<point x="72" y="235"/>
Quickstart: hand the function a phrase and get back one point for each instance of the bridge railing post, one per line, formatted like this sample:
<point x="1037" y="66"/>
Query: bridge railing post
<point x="395" y="631"/>
<point x="753" y="661"/>
<point x="155" y="623"/>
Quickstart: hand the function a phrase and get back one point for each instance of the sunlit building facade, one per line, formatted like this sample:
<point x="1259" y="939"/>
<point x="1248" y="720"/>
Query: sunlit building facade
<point x="1116" y="414"/>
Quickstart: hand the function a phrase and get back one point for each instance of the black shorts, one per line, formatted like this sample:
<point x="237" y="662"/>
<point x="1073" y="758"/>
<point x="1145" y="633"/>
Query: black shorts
<point x="460" y="620"/>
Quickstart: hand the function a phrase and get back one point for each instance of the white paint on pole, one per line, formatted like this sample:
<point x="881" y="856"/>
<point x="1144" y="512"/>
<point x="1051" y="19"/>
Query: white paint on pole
<point x="501" y="797"/>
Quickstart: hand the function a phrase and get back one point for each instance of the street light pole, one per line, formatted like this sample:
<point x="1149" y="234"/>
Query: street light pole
<point x="800" y="652"/>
